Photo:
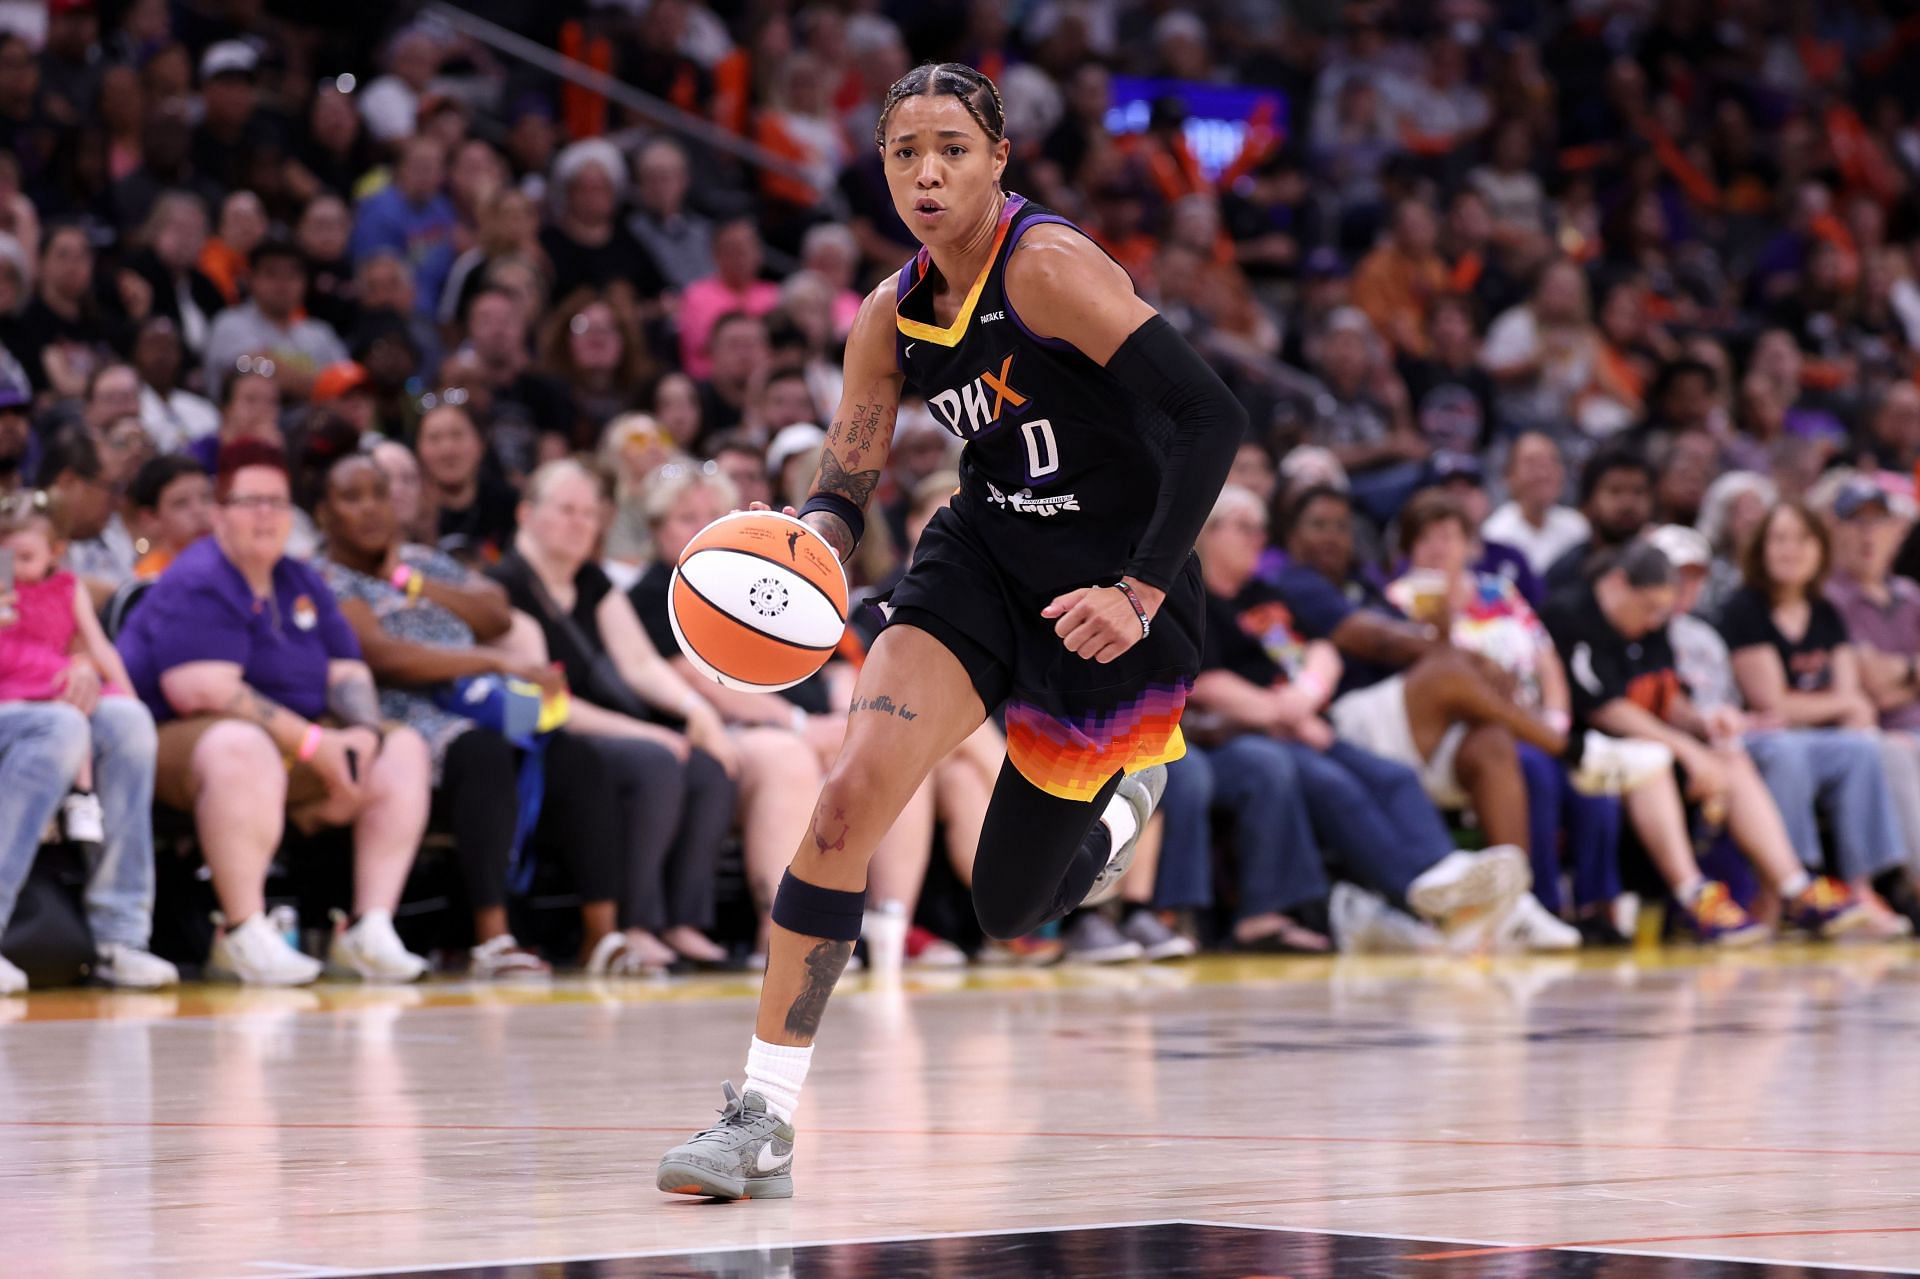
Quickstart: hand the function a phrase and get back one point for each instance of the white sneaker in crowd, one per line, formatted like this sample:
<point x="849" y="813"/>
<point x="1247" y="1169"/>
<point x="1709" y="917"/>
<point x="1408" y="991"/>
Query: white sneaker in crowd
<point x="12" y="980"/>
<point x="504" y="959"/>
<point x="373" y="951"/>
<point x="1363" y="924"/>
<point x="1616" y="765"/>
<point x="82" y="820"/>
<point x="1530" y="926"/>
<point x="131" y="968"/>
<point x="1463" y="883"/>
<point x="255" y="954"/>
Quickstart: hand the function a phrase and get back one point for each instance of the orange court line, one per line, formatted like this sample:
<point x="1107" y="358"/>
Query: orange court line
<point x="993" y="1134"/>
<point x="1457" y="1253"/>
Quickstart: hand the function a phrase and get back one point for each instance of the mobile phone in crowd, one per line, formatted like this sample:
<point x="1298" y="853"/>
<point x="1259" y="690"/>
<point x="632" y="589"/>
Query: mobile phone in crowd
<point x="9" y="614"/>
<point x="353" y="766"/>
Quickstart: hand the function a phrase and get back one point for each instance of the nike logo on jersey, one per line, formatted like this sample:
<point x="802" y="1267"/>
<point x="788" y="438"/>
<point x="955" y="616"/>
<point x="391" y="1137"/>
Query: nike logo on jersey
<point x="991" y="316"/>
<point x="770" y="1161"/>
<point x="908" y="353"/>
<point x="979" y="402"/>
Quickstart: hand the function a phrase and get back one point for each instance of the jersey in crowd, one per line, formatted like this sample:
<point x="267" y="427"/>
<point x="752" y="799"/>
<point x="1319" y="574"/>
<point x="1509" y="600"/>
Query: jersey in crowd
<point x="1252" y="636"/>
<point x="1605" y="666"/>
<point x="1747" y="622"/>
<point x="1060" y="477"/>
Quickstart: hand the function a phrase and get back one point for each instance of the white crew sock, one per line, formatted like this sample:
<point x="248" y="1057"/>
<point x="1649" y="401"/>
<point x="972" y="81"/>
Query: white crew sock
<point x="1120" y="822"/>
<point x="1793" y="886"/>
<point x="776" y="1072"/>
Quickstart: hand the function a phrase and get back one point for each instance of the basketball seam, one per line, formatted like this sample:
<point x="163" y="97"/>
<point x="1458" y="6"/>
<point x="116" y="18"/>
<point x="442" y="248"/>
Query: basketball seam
<point x="778" y="639"/>
<point x="765" y="559"/>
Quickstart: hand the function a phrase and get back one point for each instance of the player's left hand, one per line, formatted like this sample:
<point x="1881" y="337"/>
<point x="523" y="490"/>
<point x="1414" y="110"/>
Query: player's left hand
<point x="1098" y="622"/>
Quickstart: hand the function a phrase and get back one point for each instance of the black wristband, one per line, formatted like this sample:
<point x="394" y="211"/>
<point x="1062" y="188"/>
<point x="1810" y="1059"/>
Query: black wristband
<point x="842" y="509"/>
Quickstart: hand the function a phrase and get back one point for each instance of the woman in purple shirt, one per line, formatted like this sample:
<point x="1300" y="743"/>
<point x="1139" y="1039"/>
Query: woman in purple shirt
<point x="267" y="712"/>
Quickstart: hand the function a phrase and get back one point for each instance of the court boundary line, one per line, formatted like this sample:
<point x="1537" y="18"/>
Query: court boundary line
<point x="1563" y="1247"/>
<point x="296" y="1270"/>
<point x="1047" y="1134"/>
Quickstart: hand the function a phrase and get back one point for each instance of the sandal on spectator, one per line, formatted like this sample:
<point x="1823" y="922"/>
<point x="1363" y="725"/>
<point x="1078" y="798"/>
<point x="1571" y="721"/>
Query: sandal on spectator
<point x="1286" y="937"/>
<point x="615" y="956"/>
<point x="504" y="959"/>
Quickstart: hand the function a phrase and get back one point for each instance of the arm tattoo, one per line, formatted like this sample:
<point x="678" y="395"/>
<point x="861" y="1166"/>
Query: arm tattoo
<point x="856" y="486"/>
<point x="883" y="705"/>
<point x="247" y="704"/>
<point x="835" y="530"/>
<point x="354" y="703"/>
<point x="825" y="962"/>
<point x="861" y="428"/>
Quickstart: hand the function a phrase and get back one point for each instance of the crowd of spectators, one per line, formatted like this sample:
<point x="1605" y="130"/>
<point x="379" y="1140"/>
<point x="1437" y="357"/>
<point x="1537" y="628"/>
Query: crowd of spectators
<point x="358" y="388"/>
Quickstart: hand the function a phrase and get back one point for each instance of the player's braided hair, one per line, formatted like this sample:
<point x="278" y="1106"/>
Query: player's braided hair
<point x="976" y="92"/>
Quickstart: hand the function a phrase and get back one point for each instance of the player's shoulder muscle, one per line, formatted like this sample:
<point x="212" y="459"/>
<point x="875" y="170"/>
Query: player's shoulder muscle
<point x="1064" y="286"/>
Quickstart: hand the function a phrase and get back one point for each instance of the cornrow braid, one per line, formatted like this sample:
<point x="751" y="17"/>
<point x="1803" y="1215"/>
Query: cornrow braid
<point x="977" y="93"/>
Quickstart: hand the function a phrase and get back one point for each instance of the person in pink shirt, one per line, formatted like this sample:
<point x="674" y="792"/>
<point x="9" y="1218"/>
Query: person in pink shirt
<point x="735" y="285"/>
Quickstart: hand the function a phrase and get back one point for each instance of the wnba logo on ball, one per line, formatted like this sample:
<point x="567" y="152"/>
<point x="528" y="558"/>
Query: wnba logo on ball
<point x="767" y="597"/>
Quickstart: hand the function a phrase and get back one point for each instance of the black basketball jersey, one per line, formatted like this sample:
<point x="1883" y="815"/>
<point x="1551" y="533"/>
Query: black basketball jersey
<point x="1061" y="466"/>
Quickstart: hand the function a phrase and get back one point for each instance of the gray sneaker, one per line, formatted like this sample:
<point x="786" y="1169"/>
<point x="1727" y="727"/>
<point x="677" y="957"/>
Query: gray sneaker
<point x="1092" y="938"/>
<point x="1141" y="791"/>
<point x="747" y="1155"/>
<point x="1156" y="940"/>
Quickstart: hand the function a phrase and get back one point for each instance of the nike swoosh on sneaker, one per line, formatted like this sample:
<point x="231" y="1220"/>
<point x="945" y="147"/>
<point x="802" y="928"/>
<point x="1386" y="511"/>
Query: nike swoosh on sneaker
<point x="766" y="1169"/>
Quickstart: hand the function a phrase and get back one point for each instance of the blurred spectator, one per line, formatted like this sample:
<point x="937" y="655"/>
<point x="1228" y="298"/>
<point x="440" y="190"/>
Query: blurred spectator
<point x="100" y="551"/>
<point x="1616" y="499"/>
<point x="1730" y="514"/>
<point x="632" y="448"/>
<point x="679" y="240"/>
<point x="1611" y="633"/>
<point x="172" y="502"/>
<point x="67" y="719"/>
<point x="1452" y="395"/>
<point x="412" y="217"/>
<point x="1398" y="283"/>
<point x="592" y="344"/>
<point x="735" y="288"/>
<point x="744" y="463"/>
<point x="390" y="103"/>
<point x="15" y="434"/>
<point x="509" y="228"/>
<point x="676" y="792"/>
<point x="241" y="229"/>
<point x="322" y="235"/>
<point x="472" y="509"/>
<point x="1459" y="476"/>
<point x="1367" y="422"/>
<point x="586" y="243"/>
<point x="1892" y="438"/>
<point x="271" y="325"/>
<point x="1546" y="356"/>
<point x="236" y="700"/>
<point x="176" y="236"/>
<point x="1691" y="461"/>
<point x="249" y="410"/>
<point x="738" y="355"/>
<point x="525" y="404"/>
<point x="233" y="132"/>
<point x="332" y="152"/>
<point x="62" y="334"/>
<point x="676" y="409"/>
<point x="1532" y="520"/>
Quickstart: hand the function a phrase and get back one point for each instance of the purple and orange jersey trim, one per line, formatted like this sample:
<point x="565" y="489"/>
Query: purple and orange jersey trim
<point x="1074" y="759"/>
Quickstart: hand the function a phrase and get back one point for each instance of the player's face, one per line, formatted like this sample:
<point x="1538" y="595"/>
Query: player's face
<point x="942" y="171"/>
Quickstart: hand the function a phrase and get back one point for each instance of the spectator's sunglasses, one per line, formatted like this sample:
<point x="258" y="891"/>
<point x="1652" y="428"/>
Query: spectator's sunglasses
<point x="258" y="365"/>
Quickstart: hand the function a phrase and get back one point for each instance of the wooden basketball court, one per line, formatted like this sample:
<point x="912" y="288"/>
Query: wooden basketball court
<point x="1668" y="1115"/>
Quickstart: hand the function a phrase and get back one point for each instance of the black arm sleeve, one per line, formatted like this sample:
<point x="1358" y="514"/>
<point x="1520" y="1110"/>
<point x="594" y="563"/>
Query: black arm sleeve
<point x="1156" y="364"/>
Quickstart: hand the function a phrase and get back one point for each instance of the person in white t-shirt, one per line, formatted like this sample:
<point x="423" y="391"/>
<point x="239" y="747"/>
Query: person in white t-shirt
<point x="1534" y="521"/>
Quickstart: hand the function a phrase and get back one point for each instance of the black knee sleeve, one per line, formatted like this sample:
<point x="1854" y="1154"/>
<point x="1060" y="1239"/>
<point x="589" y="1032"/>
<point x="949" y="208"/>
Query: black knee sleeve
<point x="813" y="911"/>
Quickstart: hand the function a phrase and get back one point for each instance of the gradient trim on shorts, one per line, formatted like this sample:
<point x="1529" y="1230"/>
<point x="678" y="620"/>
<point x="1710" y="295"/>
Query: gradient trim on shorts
<point x="1074" y="759"/>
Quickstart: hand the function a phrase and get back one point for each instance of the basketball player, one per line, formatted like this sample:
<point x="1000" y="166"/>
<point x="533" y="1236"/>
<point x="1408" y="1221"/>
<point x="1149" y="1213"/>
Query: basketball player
<point x="1061" y="581"/>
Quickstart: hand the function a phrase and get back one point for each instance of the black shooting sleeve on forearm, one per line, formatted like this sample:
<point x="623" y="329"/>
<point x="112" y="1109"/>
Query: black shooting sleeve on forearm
<point x="1156" y="364"/>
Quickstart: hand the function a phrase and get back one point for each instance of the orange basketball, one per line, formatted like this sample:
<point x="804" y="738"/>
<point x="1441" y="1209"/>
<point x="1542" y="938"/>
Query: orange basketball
<point x="759" y="601"/>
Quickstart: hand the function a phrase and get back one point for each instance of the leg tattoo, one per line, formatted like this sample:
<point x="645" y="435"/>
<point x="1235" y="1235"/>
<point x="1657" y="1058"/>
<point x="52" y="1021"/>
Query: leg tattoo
<point x="825" y="962"/>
